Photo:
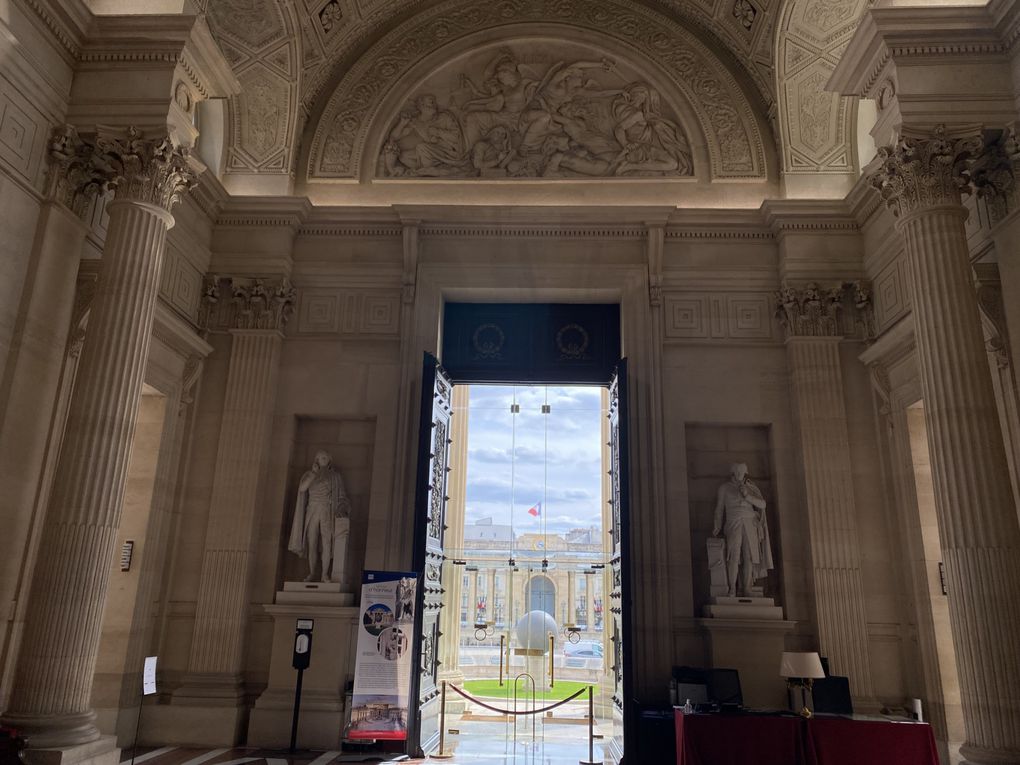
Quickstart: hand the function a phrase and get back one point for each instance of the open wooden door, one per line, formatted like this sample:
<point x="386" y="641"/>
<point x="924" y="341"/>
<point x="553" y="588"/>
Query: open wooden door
<point x="429" y="528"/>
<point x="624" y="712"/>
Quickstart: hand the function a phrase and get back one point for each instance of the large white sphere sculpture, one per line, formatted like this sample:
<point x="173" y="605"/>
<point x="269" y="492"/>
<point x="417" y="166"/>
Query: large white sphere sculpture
<point x="533" y="630"/>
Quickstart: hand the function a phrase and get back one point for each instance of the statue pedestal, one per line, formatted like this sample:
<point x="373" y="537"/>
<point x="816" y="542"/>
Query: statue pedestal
<point x="313" y="594"/>
<point x="724" y="607"/>
<point x="753" y="647"/>
<point x="334" y="640"/>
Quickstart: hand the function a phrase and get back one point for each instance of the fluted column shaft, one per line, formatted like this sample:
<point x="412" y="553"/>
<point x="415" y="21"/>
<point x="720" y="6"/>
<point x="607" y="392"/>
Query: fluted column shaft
<point x="828" y="479"/>
<point x="221" y="617"/>
<point x="977" y="520"/>
<point x="37" y="360"/>
<point x="53" y="681"/>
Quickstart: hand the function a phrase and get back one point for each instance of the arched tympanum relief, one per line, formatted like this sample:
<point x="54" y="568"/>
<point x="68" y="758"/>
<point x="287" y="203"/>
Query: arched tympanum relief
<point x="535" y="109"/>
<point x="359" y="134"/>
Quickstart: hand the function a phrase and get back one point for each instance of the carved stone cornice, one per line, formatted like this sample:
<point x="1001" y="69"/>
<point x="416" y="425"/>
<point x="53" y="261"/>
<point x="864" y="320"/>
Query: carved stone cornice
<point x="922" y="172"/>
<point x="246" y="303"/>
<point x="841" y="310"/>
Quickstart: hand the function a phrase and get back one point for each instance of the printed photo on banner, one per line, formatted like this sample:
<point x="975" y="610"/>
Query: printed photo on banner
<point x="382" y="672"/>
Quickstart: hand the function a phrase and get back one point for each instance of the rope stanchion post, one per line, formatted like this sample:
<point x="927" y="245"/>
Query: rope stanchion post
<point x="591" y="731"/>
<point x="502" y="640"/>
<point x="552" y="664"/>
<point x="442" y="754"/>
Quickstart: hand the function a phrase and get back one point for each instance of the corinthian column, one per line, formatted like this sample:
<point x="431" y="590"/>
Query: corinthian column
<point x="254" y="312"/>
<point x="816" y="321"/>
<point x="973" y="499"/>
<point x="53" y="680"/>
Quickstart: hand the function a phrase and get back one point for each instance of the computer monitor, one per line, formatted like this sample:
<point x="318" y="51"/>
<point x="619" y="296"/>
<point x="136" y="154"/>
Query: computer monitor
<point x="696" y="693"/>
<point x="724" y="686"/>
<point x="831" y="695"/>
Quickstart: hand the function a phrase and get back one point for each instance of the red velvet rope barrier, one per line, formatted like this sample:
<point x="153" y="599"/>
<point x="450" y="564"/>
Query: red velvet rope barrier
<point x="509" y="712"/>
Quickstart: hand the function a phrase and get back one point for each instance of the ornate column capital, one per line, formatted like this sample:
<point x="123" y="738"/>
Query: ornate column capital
<point x="840" y="310"/>
<point x="992" y="174"/>
<point x="154" y="170"/>
<point x="246" y="303"/>
<point x="921" y="172"/>
<point x="73" y="179"/>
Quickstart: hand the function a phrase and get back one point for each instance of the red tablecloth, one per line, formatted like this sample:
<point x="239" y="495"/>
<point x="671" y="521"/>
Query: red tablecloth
<point x="738" y="740"/>
<point x="838" y="741"/>
<point x="760" y="740"/>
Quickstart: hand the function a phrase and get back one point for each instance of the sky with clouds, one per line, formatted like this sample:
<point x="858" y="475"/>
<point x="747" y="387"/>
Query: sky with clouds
<point x="555" y="459"/>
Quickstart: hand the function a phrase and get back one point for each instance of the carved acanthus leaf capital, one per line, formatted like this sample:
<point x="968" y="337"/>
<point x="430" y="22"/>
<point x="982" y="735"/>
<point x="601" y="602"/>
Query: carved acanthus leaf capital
<point x="921" y="172"/>
<point x="73" y="179"/>
<point x="992" y="175"/>
<point x="247" y="303"/>
<point x="841" y="310"/>
<point x="154" y="170"/>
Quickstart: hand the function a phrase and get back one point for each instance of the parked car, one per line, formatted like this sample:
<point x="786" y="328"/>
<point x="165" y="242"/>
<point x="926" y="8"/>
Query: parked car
<point x="583" y="649"/>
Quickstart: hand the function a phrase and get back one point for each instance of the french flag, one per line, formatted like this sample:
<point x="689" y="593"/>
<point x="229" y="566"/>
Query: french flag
<point x="535" y="510"/>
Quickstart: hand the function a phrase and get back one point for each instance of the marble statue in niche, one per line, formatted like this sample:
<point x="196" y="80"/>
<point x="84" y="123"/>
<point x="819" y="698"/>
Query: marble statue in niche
<point x="566" y="119"/>
<point x="740" y="518"/>
<point x="321" y="527"/>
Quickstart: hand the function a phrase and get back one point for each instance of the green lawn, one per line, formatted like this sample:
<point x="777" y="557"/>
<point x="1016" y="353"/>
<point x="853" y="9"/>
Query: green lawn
<point x="490" y="689"/>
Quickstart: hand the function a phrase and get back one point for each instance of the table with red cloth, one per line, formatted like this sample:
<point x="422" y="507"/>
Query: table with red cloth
<point x="750" y="739"/>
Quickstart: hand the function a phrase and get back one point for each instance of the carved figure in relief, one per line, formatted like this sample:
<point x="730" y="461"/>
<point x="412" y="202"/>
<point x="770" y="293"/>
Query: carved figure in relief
<point x="740" y="515"/>
<point x="426" y="141"/>
<point x="521" y="122"/>
<point x="322" y="525"/>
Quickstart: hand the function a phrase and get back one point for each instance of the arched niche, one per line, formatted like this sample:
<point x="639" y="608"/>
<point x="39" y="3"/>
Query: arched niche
<point x="695" y="90"/>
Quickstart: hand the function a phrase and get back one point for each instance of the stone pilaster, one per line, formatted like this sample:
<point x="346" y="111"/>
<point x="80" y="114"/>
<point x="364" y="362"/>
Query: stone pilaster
<point x="36" y="361"/>
<point x="254" y="312"/>
<point x="53" y="680"/>
<point x="919" y="177"/>
<point x="815" y="320"/>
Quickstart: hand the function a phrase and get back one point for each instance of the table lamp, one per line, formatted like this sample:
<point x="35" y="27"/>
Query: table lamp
<point x="800" y="669"/>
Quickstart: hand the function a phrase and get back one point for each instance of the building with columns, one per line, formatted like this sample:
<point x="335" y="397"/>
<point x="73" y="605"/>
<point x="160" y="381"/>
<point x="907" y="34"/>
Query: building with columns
<point x="231" y="229"/>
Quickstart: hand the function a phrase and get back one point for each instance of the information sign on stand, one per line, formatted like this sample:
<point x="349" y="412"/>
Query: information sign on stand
<point x="301" y="661"/>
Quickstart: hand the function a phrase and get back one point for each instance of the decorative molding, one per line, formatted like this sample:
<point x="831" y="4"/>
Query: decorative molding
<point x="814" y="123"/>
<point x="842" y="310"/>
<point x="181" y="285"/>
<point x="533" y="232"/>
<point x="348" y="312"/>
<point x="353" y="110"/>
<point x="921" y="172"/>
<point x="742" y="316"/>
<point x="246" y="303"/>
<point x="878" y="375"/>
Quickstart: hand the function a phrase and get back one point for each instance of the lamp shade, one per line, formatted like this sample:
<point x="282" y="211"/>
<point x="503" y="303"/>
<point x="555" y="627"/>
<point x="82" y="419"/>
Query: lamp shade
<point x="801" y="664"/>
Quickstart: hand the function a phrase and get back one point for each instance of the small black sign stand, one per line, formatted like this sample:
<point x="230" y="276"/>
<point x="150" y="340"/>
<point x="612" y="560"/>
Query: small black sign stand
<point x="302" y="658"/>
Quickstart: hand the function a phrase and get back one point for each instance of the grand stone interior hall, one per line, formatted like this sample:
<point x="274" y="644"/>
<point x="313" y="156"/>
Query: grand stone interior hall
<point x="262" y="262"/>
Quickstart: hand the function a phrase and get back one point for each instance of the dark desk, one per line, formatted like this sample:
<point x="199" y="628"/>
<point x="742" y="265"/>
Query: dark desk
<point x="760" y="740"/>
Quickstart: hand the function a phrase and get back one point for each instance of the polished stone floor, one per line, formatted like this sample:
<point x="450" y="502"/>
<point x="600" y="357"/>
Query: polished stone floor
<point x="477" y="738"/>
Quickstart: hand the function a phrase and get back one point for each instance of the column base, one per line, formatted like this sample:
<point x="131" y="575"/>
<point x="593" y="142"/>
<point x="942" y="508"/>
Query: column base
<point x="102" y="751"/>
<point x="752" y="647"/>
<point x="977" y="755"/>
<point x="200" y="726"/>
<point x="320" y="726"/>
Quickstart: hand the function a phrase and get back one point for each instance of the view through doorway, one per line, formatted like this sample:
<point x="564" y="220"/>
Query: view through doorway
<point x="528" y="547"/>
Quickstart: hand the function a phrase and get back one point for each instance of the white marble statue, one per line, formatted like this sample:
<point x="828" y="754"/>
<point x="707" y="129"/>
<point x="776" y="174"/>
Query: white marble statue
<point x="322" y="524"/>
<point x="740" y="515"/>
